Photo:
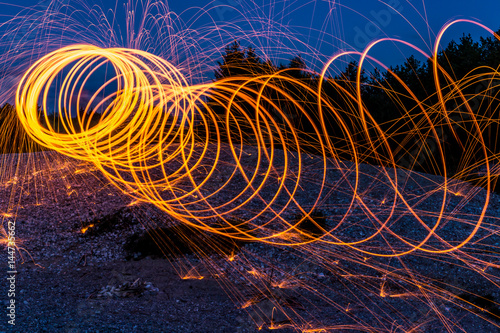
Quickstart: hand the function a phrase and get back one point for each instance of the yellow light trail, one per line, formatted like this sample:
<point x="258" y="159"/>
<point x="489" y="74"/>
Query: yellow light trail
<point x="150" y="121"/>
<point x="163" y="141"/>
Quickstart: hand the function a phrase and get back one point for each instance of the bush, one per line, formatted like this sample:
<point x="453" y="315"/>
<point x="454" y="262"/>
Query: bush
<point x="313" y="226"/>
<point x="180" y="240"/>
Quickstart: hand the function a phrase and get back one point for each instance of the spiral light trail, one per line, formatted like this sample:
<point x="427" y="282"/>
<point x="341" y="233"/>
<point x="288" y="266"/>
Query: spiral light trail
<point x="231" y="158"/>
<point x="153" y="110"/>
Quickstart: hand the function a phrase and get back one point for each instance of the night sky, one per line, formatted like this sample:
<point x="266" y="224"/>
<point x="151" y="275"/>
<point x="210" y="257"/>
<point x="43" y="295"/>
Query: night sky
<point x="322" y="27"/>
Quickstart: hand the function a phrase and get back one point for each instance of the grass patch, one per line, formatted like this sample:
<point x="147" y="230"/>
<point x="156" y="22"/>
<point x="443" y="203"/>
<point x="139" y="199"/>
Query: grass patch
<point x="179" y="240"/>
<point x="313" y="226"/>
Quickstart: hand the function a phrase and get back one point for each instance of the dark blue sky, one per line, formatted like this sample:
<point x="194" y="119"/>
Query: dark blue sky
<point x="359" y="21"/>
<point x="322" y="26"/>
<point x="279" y="29"/>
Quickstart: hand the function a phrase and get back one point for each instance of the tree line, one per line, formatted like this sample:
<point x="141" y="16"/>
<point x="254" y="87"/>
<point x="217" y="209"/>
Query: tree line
<point x="402" y="102"/>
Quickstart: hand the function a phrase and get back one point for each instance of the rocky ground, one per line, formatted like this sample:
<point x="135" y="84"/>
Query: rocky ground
<point x="85" y="262"/>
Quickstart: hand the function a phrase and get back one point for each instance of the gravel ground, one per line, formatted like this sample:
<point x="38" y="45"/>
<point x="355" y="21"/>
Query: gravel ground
<point x="73" y="281"/>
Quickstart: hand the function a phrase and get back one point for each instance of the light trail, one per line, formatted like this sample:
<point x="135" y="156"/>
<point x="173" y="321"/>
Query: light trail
<point x="162" y="140"/>
<point x="153" y="110"/>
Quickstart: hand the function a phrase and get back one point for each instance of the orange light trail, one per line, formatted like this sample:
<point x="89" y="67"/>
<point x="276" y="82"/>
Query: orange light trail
<point x="152" y="113"/>
<point x="162" y="140"/>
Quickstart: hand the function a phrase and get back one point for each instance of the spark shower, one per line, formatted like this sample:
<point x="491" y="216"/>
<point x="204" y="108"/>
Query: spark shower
<point x="161" y="136"/>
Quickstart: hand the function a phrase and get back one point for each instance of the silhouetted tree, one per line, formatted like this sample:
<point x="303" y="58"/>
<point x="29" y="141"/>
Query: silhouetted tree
<point x="388" y="100"/>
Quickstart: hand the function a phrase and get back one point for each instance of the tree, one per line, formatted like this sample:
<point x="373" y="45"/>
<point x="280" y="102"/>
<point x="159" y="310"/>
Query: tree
<point x="233" y="62"/>
<point x="490" y="51"/>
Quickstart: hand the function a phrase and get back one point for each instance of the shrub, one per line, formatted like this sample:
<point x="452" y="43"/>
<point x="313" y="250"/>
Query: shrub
<point x="313" y="226"/>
